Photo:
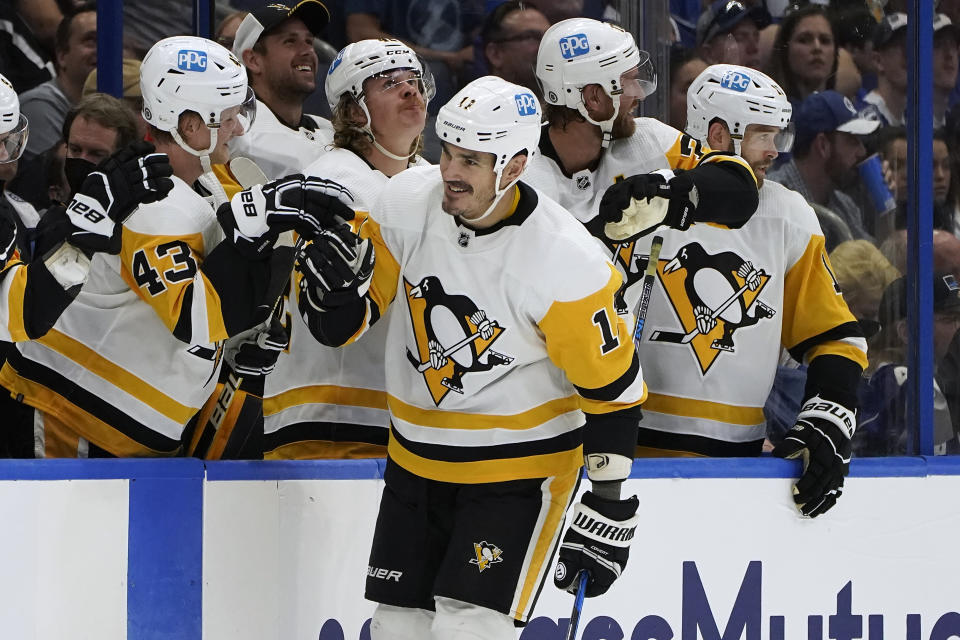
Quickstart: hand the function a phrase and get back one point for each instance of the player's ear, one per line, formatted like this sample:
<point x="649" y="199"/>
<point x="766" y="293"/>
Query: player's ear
<point x="718" y="137"/>
<point x="513" y="169"/>
<point x="593" y="97"/>
<point x="251" y="60"/>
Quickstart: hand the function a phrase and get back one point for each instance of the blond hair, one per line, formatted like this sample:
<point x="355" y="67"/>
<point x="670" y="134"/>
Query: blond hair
<point x="861" y="270"/>
<point x="348" y="130"/>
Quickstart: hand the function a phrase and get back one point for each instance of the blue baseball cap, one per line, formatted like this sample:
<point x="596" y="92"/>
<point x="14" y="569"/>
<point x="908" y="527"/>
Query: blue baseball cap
<point x="723" y="15"/>
<point x="830" y="111"/>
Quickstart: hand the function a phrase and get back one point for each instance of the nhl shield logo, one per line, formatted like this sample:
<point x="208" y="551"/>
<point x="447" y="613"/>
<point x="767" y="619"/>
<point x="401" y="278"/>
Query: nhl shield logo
<point x="485" y="554"/>
<point x="713" y="296"/>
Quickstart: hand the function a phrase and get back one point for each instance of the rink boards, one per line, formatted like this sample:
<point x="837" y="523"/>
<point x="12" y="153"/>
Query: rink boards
<point x="179" y="549"/>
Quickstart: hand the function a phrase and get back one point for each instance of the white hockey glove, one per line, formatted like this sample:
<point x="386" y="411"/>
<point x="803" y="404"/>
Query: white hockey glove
<point x="336" y="266"/>
<point x="132" y="176"/>
<point x="597" y="540"/>
<point x="639" y="204"/>
<point x="255" y="352"/>
<point x="821" y="439"/>
<point x="255" y="217"/>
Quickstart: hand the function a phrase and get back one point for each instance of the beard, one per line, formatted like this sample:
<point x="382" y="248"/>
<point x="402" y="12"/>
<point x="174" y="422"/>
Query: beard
<point x="624" y="125"/>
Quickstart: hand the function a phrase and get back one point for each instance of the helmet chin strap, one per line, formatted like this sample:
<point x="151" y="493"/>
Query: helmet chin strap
<point x="497" y="196"/>
<point x="606" y="126"/>
<point x="208" y="179"/>
<point x="373" y="139"/>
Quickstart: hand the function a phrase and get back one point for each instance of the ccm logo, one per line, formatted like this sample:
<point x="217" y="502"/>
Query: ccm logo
<point x="526" y="104"/>
<point x="191" y="60"/>
<point x="573" y="46"/>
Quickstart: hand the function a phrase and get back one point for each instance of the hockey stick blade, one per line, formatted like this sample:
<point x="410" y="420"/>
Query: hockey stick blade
<point x="577" y="606"/>
<point x="649" y="275"/>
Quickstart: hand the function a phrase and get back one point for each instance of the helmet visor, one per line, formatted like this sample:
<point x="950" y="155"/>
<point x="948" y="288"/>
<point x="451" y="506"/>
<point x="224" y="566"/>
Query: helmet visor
<point x="396" y="79"/>
<point x="240" y="116"/>
<point x="640" y="81"/>
<point x="781" y="140"/>
<point x="12" y="143"/>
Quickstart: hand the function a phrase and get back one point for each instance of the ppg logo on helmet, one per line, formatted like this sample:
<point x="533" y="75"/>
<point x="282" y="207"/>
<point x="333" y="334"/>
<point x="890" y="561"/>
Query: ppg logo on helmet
<point x="526" y="104"/>
<point x="191" y="60"/>
<point x="573" y="46"/>
<point x="735" y="81"/>
<point x="336" y="62"/>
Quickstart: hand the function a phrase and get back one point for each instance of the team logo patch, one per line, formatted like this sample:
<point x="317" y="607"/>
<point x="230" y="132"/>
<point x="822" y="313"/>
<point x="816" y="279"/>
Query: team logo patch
<point x="573" y="46"/>
<point x="526" y="104"/>
<point x="336" y="62"/>
<point x="453" y="337"/>
<point x="583" y="183"/>
<point x="485" y="554"/>
<point x="713" y="296"/>
<point x="191" y="60"/>
<point x="735" y="81"/>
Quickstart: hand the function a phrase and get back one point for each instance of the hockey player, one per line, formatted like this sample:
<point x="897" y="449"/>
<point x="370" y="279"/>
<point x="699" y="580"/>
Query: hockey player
<point x="593" y="76"/>
<point x="506" y="366"/>
<point x="323" y="402"/>
<point x="129" y="363"/>
<point x="728" y="299"/>
<point x="275" y="43"/>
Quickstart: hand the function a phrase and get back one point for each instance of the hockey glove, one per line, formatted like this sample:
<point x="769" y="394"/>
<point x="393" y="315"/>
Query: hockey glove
<point x="132" y="176"/>
<point x="639" y="204"/>
<point x="8" y="238"/>
<point x="598" y="540"/>
<point x="336" y="267"/>
<point x="258" y="215"/>
<point x="255" y="352"/>
<point x="821" y="439"/>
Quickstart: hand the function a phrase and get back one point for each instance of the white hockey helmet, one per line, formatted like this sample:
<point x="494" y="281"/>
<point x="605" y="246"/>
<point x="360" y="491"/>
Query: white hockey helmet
<point x="14" y="128"/>
<point x="578" y="52"/>
<point x="365" y="59"/>
<point x="739" y="96"/>
<point x="188" y="73"/>
<point x="491" y="115"/>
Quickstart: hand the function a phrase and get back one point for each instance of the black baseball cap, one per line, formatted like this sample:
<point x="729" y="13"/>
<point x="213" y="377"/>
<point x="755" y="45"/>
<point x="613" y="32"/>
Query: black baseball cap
<point x="313" y="13"/>
<point x="723" y="15"/>
<point x="893" y="302"/>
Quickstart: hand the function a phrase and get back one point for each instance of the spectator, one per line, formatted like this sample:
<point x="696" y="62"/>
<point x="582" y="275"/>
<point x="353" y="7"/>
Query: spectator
<point x="884" y="429"/>
<point x="131" y="91"/>
<point x="511" y="37"/>
<point x="26" y="42"/>
<point x="804" y="58"/>
<point x="275" y="44"/>
<point x="227" y="30"/>
<point x="47" y="104"/>
<point x="946" y="251"/>
<point x="96" y="128"/>
<point x="863" y="273"/>
<point x="855" y="27"/>
<point x="826" y="152"/>
<point x="889" y="99"/>
<point x="685" y="65"/>
<point x="729" y="32"/>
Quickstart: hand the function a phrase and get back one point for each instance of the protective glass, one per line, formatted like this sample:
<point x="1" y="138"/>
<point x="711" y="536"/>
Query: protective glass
<point x="241" y="115"/>
<point x="395" y="78"/>
<point x="781" y="140"/>
<point x="639" y="82"/>
<point x="12" y="143"/>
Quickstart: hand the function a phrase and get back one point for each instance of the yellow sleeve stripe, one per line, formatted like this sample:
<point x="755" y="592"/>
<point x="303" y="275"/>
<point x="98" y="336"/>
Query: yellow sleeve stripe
<point x="230" y="185"/>
<point x="839" y="348"/>
<point x="15" y="295"/>
<point x="325" y="394"/>
<point x="704" y="409"/>
<point x="386" y="270"/>
<point x="482" y="471"/>
<point x="216" y="327"/>
<point x="597" y="406"/>
<point x="481" y="421"/>
<point x="117" y="376"/>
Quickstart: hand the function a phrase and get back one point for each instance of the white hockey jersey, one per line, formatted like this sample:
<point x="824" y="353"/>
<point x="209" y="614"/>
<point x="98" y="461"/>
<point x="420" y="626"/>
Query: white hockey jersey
<point x="724" y="302"/>
<point x="324" y="402"/>
<point x="278" y="149"/>
<point x="111" y="367"/>
<point x="500" y="338"/>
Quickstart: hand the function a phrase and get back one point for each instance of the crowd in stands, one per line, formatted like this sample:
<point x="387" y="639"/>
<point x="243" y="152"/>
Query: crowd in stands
<point x="842" y="67"/>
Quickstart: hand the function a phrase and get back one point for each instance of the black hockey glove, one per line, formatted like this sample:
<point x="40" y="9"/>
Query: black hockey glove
<point x="597" y="540"/>
<point x="255" y="217"/>
<point x="255" y="352"/>
<point x="132" y="176"/>
<point x="336" y="267"/>
<point x="821" y="438"/>
<point x="8" y="237"/>
<point x="639" y="204"/>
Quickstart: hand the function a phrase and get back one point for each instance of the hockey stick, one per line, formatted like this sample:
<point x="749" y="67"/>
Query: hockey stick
<point x="676" y="337"/>
<point x="423" y="366"/>
<point x="577" y="606"/>
<point x="648" y="277"/>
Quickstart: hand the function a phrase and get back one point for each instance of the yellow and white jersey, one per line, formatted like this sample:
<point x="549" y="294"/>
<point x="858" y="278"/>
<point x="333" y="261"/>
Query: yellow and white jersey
<point x="499" y="339"/>
<point x="324" y="402"/>
<point x="278" y="149"/>
<point x="723" y="303"/>
<point x="653" y="146"/>
<point x="137" y="353"/>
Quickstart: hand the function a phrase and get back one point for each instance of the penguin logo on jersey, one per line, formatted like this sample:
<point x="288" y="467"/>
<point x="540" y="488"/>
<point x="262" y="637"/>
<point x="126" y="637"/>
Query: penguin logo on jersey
<point x="485" y="555"/>
<point x="631" y="264"/>
<point x="713" y="296"/>
<point x="453" y="337"/>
